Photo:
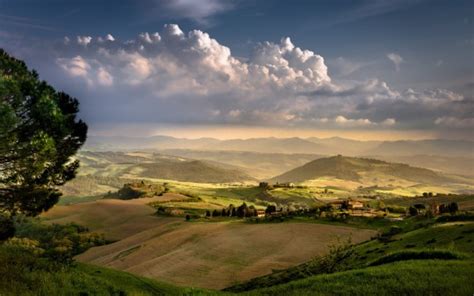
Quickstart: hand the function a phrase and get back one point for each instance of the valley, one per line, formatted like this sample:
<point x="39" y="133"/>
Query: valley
<point x="163" y="210"/>
<point x="199" y="254"/>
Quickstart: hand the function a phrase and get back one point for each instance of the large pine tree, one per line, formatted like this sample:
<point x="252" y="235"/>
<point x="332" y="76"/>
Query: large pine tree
<point x="39" y="133"/>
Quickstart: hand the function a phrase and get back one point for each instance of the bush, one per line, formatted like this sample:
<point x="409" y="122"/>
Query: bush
<point x="412" y="211"/>
<point x="58" y="242"/>
<point x="455" y="218"/>
<point x="397" y="209"/>
<point x="395" y="230"/>
<point x="7" y="228"/>
<point x="417" y="255"/>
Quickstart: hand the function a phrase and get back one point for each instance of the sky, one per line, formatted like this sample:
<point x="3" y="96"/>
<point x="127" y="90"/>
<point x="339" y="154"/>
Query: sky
<point x="363" y="69"/>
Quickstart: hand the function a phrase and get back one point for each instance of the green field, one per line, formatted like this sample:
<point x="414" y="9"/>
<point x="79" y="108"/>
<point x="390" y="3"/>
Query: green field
<point x="417" y="235"/>
<point x="402" y="278"/>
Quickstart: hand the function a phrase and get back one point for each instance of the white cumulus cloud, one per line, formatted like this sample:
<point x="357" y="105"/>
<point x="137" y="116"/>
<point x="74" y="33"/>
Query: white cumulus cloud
<point x="174" y="74"/>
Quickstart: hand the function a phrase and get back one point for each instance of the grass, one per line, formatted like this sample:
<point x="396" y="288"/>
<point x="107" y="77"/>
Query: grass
<point x="418" y="255"/>
<point x="430" y="277"/>
<point x="419" y="238"/>
<point x="71" y="200"/>
<point x="81" y="279"/>
<point x="455" y="237"/>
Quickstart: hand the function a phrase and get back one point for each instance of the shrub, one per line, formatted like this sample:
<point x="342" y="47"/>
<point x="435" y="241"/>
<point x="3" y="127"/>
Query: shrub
<point x="7" y="228"/>
<point x="397" y="209"/>
<point x="417" y="255"/>
<point x="455" y="218"/>
<point x="412" y="211"/>
<point x="58" y="242"/>
<point x="23" y="243"/>
<point x="395" y="230"/>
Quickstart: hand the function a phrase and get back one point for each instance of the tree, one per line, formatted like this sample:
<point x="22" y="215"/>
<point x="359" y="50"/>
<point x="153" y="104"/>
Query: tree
<point x="270" y="209"/>
<point x="39" y="133"/>
<point x="412" y="211"/>
<point x="251" y="211"/>
<point x="7" y="228"/>
<point x="442" y="209"/>
<point x="453" y="208"/>
<point x="242" y="210"/>
<point x="208" y="213"/>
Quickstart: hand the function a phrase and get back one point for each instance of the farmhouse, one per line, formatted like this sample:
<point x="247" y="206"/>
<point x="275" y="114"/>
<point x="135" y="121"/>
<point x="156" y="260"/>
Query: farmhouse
<point x="435" y="208"/>
<point x="260" y="213"/>
<point x="354" y="204"/>
<point x="284" y="185"/>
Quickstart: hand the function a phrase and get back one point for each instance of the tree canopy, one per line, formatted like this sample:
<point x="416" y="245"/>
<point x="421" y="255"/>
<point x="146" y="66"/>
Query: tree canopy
<point x="39" y="134"/>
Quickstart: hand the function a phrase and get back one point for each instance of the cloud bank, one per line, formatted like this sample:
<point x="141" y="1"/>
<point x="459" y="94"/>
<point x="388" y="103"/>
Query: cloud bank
<point x="173" y="76"/>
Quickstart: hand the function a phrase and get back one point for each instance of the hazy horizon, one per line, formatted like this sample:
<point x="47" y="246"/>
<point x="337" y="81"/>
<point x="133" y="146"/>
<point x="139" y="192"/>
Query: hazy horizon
<point x="235" y="133"/>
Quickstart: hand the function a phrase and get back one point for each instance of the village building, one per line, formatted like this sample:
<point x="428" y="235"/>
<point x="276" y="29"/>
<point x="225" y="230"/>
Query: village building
<point x="284" y="185"/>
<point x="354" y="204"/>
<point x="260" y="213"/>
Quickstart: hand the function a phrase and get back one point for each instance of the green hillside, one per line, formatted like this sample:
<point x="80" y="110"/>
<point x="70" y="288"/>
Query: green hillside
<point x="158" y="166"/>
<point x="81" y="279"/>
<point x="191" y="171"/>
<point x="353" y="169"/>
<point x="257" y="164"/>
<point x="431" y="277"/>
<point x="414" y="238"/>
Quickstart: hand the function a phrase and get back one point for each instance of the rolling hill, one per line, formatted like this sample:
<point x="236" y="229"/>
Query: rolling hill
<point x="158" y="166"/>
<point x="199" y="254"/>
<point x="355" y="169"/>
<point x="257" y="164"/>
<point x="192" y="171"/>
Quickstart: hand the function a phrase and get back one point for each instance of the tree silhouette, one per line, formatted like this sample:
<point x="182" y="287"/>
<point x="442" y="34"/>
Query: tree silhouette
<point x="270" y="209"/>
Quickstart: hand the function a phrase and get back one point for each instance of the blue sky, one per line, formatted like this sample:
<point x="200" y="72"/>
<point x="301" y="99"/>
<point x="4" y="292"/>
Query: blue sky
<point x="400" y="67"/>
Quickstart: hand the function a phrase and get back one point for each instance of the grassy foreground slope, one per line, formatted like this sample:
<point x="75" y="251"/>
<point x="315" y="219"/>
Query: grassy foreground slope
<point x="430" y="277"/>
<point x="416" y="238"/>
<point x="84" y="279"/>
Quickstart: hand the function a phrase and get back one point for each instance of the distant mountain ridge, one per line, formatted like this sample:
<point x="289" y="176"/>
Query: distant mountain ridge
<point x="326" y="146"/>
<point x="352" y="169"/>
